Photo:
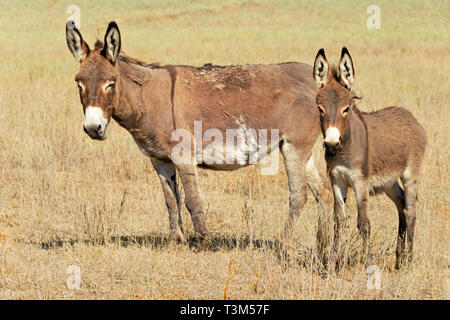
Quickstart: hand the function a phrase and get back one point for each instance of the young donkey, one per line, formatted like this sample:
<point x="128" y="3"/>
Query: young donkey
<point x="155" y="102"/>
<point x="368" y="152"/>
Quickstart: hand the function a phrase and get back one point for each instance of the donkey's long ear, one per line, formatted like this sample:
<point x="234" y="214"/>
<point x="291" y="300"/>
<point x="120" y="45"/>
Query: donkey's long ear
<point x="346" y="69"/>
<point x="320" y="70"/>
<point x="75" y="42"/>
<point x="111" y="49"/>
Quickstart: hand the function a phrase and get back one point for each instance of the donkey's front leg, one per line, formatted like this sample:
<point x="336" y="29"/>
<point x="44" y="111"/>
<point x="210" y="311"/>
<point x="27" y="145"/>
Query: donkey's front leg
<point x="195" y="202"/>
<point x="362" y="196"/>
<point x="340" y="190"/>
<point x="167" y="175"/>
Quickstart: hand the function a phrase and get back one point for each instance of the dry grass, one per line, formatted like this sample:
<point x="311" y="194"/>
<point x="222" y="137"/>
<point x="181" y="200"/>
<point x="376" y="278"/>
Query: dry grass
<point x="67" y="200"/>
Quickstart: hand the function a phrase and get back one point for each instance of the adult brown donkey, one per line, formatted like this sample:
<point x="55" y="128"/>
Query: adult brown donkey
<point x="368" y="152"/>
<point x="159" y="105"/>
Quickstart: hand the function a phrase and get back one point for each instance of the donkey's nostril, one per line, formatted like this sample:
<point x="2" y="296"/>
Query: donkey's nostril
<point x="99" y="127"/>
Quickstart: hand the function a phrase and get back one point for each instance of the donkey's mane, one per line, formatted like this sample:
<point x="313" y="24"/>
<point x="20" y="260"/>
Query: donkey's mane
<point x="127" y="59"/>
<point x="133" y="61"/>
<point x="156" y="65"/>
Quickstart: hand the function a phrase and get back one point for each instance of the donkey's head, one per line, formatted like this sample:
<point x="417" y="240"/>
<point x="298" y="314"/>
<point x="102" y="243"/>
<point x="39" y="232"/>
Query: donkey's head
<point x="334" y="99"/>
<point x="97" y="78"/>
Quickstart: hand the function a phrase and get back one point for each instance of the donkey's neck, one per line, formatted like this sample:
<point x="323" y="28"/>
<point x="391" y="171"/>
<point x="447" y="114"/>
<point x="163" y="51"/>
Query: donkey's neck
<point x="357" y="128"/>
<point x="132" y="81"/>
<point x="354" y="152"/>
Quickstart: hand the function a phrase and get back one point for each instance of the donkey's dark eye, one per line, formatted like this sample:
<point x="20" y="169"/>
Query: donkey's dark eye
<point x="321" y="110"/>
<point x="110" y="86"/>
<point x="345" y="111"/>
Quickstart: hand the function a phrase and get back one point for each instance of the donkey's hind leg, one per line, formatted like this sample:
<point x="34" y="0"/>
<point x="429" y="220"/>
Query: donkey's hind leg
<point x="321" y="189"/>
<point x="410" y="185"/>
<point x="295" y="164"/>
<point x="396" y="194"/>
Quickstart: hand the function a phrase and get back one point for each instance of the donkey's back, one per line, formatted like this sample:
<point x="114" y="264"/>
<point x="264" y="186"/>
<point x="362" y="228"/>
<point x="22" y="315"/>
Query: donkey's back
<point x="397" y="142"/>
<point x="241" y="88"/>
<point x="273" y="96"/>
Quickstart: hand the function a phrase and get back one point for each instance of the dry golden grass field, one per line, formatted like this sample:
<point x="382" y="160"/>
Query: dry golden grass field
<point x="68" y="200"/>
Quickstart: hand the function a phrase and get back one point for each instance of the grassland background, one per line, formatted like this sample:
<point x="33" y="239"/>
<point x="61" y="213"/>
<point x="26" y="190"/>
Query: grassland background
<point x="60" y="191"/>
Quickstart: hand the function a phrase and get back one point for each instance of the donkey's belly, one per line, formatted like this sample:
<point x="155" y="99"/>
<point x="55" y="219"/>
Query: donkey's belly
<point x="379" y="184"/>
<point x="376" y="183"/>
<point x="223" y="167"/>
<point x="219" y="157"/>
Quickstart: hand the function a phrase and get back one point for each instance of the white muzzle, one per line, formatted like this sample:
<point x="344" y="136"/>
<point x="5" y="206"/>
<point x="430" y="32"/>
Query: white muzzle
<point x="95" y="124"/>
<point x="332" y="136"/>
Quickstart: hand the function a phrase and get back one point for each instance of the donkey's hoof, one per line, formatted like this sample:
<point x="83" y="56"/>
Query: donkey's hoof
<point x="203" y="244"/>
<point x="335" y="264"/>
<point x="282" y="253"/>
<point x="401" y="264"/>
<point x="178" y="237"/>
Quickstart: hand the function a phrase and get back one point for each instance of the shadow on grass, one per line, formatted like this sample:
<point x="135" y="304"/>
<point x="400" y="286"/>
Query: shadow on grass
<point x="218" y="242"/>
<point x="303" y="256"/>
<point x="159" y="241"/>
